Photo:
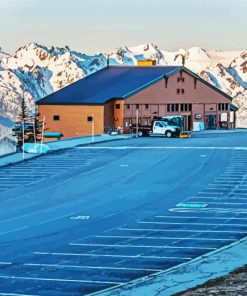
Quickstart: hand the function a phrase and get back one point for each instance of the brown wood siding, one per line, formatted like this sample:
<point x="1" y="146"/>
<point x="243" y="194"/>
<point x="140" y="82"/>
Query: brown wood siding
<point x="73" y="119"/>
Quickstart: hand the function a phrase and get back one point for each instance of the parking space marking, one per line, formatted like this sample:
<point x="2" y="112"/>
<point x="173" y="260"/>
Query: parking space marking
<point x="223" y="203"/>
<point x="229" y="181"/>
<point x="139" y="246"/>
<point x="58" y="280"/>
<point x="5" y="263"/>
<point x="200" y="217"/>
<point x="14" y="294"/>
<point x="165" y="238"/>
<point x="187" y="223"/>
<point x="91" y="267"/>
<point x="210" y="210"/>
<point x="181" y="230"/>
<point x="109" y="255"/>
<point x="218" y="198"/>
<point x="210" y="192"/>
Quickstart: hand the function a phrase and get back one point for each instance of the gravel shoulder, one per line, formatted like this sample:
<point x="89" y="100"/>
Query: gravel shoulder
<point x="233" y="284"/>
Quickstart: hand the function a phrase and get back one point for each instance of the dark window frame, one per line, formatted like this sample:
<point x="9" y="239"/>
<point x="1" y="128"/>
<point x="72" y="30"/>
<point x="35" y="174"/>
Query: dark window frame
<point x="56" y="117"/>
<point x="90" y="119"/>
<point x="178" y="91"/>
<point x="118" y="106"/>
<point x="137" y="106"/>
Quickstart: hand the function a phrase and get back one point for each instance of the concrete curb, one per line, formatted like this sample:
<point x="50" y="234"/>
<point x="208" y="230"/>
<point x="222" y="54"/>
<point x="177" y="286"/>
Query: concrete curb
<point x="31" y="156"/>
<point x="187" y="275"/>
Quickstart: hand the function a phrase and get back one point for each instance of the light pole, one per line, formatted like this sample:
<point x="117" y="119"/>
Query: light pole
<point x="92" y="128"/>
<point x="137" y="123"/>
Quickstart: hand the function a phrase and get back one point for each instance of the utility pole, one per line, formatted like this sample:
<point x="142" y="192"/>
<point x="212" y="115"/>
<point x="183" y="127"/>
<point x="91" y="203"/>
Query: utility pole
<point x="137" y="123"/>
<point x="92" y="128"/>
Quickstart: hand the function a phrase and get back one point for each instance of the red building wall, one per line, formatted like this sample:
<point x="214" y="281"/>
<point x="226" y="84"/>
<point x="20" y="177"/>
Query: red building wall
<point x="153" y="100"/>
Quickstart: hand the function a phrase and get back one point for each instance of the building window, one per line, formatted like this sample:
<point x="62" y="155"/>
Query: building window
<point x="137" y="106"/>
<point x="146" y="106"/>
<point x="90" y="119"/>
<point x="56" y="117"/>
<point x="181" y="107"/>
<point x="190" y="107"/>
<point x="178" y="91"/>
<point x="128" y="106"/>
<point x="223" y="107"/>
<point x="172" y="108"/>
<point x="180" y="79"/>
<point x="117" y="106"/>
<point x="182" y="90"/>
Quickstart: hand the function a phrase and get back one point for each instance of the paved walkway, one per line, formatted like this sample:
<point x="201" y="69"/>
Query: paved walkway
<point x="62" y="144"/>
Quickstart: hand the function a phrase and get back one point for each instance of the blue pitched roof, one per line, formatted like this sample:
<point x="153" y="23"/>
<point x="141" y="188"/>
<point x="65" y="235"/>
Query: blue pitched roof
<point x="108" y="83"/>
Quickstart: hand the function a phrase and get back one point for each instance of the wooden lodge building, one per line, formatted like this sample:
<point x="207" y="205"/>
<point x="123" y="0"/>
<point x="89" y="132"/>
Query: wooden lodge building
<point x="112" y="96"/>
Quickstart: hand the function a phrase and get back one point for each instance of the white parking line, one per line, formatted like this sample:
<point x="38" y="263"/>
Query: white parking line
<point x="181" y="230"/>
<point x="224" y="185"/>
<point x="232" y="176"/>
<point x="109" y="255"/>
<point x="210" y="192"/>
<point x="161" y="147"/>
<point x="90" y="267"/>
<point x="200" y="217"/>
<point x="186" y="223"/>
<point x="220" y="199"/>
<point x="141" y="246"/>
<point x="165" y="238"/>
<point x="14" y="294"/>
<point x="227" y="181"/>
<point x="5" y="263"/>
<point x="224" y="203"/>
<point x="210" y="210"/>
<point x="58" y="280"/>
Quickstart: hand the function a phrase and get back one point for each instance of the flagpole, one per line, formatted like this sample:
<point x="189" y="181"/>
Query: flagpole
<point x="42" y="135"/>
<point x="23" y="140"/>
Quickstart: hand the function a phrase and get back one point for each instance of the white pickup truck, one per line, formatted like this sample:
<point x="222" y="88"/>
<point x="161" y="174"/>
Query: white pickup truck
<point x="158" y="127"/>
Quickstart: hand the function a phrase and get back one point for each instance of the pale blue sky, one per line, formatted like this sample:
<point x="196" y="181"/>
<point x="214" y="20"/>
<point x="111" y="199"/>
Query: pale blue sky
<point x="99" y="25"/>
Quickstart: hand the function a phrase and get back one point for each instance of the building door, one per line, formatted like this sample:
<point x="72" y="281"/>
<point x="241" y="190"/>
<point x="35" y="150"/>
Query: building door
<point x="211" y="121"/>
<point x="127" y="124"/>
<point x="189" y="123"/>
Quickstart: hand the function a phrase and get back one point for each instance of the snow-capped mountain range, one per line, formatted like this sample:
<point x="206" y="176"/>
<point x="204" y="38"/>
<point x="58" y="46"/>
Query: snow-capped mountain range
<point x="36" y="71"/>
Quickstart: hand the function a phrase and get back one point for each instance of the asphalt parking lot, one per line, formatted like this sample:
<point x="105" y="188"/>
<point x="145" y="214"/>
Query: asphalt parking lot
<point x="82" y="220"/>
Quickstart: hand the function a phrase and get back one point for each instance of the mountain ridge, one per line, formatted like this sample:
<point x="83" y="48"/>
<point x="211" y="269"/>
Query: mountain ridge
<point x="35" y="71"/>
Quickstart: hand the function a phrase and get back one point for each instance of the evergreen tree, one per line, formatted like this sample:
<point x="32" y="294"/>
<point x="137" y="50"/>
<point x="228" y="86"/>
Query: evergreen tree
<point x="35" y="134"/>
<point x="23" y="119"/>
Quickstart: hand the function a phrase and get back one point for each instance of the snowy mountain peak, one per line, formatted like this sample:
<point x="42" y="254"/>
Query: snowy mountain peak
<point x="41" y="70"/>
